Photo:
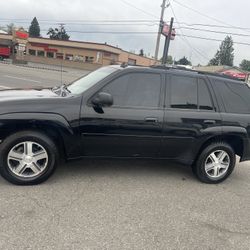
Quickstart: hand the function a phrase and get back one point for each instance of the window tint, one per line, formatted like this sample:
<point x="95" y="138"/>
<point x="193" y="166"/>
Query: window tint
<point x="236" y="96"/>
<point x="135" y="90"/>
<point x="184" y="92"/>
<point x="204" y="97"/>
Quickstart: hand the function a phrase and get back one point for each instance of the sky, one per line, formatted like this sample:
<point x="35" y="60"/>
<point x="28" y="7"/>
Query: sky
<point x="80" y="16"/>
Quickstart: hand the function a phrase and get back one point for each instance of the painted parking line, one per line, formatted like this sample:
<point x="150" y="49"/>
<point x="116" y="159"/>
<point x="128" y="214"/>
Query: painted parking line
<point x="4" y="87"/>
<point x="23" y="79"/>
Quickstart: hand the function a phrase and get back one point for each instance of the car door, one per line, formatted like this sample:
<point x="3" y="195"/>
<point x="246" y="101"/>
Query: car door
<point x="132" y="126"/>
<point x="190" y="116"/>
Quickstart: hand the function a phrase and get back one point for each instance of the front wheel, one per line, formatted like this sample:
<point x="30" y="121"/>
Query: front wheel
<point x="27" y="158"/>
<point x="215" y="163"/>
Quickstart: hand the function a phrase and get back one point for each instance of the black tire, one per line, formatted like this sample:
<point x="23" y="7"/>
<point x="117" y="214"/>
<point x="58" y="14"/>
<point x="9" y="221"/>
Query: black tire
<point x="199" y="167"/>
<point x="31" y="136"/>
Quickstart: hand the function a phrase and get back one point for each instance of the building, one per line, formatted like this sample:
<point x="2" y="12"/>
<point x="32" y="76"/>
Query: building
<point x="75" y="54"/>
<point x="233" y="71"/>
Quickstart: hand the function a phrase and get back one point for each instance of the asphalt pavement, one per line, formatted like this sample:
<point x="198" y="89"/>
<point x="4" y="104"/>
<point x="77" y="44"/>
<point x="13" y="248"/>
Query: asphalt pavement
<point x="121" y="204"/>
<point x="126" y="204"/>
<point x="12" y="76"/>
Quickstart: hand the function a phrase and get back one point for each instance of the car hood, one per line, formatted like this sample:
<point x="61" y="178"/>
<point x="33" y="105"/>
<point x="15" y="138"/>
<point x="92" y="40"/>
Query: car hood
<point x="26" y="94"/>
<point x="32" y="100"/>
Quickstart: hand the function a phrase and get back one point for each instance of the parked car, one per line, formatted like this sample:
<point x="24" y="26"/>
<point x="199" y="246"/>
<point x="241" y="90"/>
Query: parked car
<point x="195" y="118"/>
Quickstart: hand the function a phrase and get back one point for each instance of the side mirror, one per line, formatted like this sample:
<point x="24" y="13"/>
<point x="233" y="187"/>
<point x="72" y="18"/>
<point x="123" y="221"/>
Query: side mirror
<point x="102" y="99"/>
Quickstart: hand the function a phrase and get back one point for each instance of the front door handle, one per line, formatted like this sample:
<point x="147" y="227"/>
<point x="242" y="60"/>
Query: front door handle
<point x="151" y="119"/>
<point x="209" y="122"/>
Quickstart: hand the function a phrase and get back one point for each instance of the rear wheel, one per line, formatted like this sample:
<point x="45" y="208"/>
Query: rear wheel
<point x="215" y="163"/>
<point x="27" y="158"/>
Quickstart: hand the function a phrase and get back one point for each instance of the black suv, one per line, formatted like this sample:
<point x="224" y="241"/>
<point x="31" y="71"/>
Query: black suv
<point x="199" y="119"/>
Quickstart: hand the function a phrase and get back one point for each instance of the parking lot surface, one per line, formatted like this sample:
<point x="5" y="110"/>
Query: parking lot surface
<point x="126" y="204"/>
<point x="121" y="204"/>
<point x="12" y="76"/>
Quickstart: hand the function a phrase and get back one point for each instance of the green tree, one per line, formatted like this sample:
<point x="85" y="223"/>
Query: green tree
<point x="170" y="60"/>
<point x="245" y="65"/>
<point x="34" y="29"/>
<point x="183" y="61"/>
<point x="58" y="34"/>
<point x="225" y="55"/>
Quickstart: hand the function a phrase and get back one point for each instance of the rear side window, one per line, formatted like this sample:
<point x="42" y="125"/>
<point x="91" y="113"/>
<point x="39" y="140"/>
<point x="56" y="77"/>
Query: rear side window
<point x="235" y="96"/>
<point x="184" y="92"/>
<point x="135" y="90"/>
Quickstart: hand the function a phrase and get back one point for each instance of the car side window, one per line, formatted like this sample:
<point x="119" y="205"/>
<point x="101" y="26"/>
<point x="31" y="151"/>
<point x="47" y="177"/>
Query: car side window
<point x="204" y="98"/>
<point x="235" y="96"/>
<point x="183" y="92"/>
<point x="135" y="90"/>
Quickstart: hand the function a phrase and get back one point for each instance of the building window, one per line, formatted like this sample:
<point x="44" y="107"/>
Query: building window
<point x="131" y="62"/>
<point x="59" y="55"/>
<point x="40" y="53"/>
<point x="69" y="57"/>
<point x="79" y="58"/>
<point x="50" y="54"/>
<point x="32" y="52"/>
<point x="89" y="59"/>
<point x="107" y="54"/>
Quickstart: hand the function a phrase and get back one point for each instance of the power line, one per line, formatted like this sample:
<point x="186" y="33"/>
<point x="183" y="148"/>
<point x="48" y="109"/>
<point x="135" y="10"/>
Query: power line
<point x="214" y="26"/>
<point x="211" y="39"/>
<point x="205" y="15"/>
<point x="118" y="22"/>
<point x="185" y="38"/>
<point x="215" y="31"/>
<point x="111" y="32"/>
<point x="81" y="20"/>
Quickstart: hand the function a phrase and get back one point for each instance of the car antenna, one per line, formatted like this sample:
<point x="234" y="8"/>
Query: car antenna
<point x="61" y="25"/>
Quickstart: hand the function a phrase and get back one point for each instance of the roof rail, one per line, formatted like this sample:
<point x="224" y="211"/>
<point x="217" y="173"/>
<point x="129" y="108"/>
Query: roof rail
<point x="169" y="67"/>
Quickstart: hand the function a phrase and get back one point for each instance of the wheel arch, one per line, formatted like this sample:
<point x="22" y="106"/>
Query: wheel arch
<point x="235" y="141"/>
<point x="54" y="126"/>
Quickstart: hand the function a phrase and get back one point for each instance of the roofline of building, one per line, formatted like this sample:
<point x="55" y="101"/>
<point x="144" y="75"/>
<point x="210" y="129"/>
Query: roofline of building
<point x="225" y="67"/>
<point x="92" y="43"/>
<point x="83" y="42"/>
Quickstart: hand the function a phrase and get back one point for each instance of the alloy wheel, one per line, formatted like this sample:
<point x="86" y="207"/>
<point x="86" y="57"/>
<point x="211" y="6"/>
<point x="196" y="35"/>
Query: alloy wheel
<point x="217" y="164"/>
<point x="27" y="159"/>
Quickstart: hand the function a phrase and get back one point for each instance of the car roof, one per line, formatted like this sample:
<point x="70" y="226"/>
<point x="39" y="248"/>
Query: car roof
<point x="178" y="70"/>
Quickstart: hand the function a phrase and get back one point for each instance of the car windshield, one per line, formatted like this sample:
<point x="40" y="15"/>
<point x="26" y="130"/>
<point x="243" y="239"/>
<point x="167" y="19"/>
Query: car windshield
<point x="84" y="83"/>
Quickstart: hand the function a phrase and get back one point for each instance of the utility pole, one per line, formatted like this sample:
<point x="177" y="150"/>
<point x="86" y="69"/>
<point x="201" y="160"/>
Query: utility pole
<point x="163" y="7"/>
<point x="167" y="42"/>
<point x="61" y="25"/>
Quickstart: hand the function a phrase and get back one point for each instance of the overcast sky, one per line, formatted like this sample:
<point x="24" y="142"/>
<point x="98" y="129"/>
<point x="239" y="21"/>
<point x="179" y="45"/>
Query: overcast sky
<point x="227" y="13"/>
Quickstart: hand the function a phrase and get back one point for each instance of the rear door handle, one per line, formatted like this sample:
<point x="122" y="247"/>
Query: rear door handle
<point x="151" y="119"/>
<point x="209" y="122"/>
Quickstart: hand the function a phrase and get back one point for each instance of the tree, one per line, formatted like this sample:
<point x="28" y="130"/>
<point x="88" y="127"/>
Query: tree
<point x="34" y="29"/>
<point x="225" y="55"/>
<point x="141" y="52"/>
<point x="170" y="60"/>
<point x="183" y="61"/>
<point x="58" y="34"/>
<point x="10" y="28"/>
<point x="245" y="65"/>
